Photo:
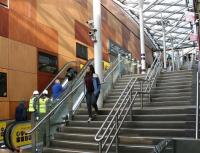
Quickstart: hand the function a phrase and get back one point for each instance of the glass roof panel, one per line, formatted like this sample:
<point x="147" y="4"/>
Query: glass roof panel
<point x="172" y="15"/>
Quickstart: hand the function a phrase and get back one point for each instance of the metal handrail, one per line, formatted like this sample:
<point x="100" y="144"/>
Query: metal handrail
<point x="113" y="123"/>
<point x="153" y="65"/>
<point x="54" y="109"/>
<point x="58" y="74"/>
<point x="112" y="70"/>
<point x="60" y="103"/>
<point x="67" y="96"/>
<point x="116" y="116"/>
<point x="197" y="108"/>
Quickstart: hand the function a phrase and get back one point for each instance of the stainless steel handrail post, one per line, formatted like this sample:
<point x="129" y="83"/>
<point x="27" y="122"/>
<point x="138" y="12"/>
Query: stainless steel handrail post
<point x="131" y="113"/>
<point x="100" y="146"/>
<point x="197" y="108"/>
<point x="116" y="139"/>
<point x="141" y="93"/>
<point x="112" y="80"/>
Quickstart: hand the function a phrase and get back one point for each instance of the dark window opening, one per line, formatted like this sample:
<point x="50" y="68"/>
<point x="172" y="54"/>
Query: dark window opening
<point x="81" y="51"/>
<point x="47" y="63"/>
<point x="3" y="84"/>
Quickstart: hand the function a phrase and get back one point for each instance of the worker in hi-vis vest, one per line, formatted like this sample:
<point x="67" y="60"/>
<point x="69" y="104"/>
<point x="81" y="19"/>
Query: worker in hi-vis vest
<point x="44" y="103"/>
<point x="33" y="102"/>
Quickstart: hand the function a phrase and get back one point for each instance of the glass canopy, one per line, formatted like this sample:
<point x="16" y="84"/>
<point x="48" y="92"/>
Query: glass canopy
<point x="160" y="16"/>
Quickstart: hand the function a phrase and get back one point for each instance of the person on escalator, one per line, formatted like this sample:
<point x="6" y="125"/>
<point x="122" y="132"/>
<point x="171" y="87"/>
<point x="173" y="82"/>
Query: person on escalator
<point x="71" y="74"/>
<point x="92" y="86"/>
<point x="21" y="112"/>
<point x="57" y="89"/>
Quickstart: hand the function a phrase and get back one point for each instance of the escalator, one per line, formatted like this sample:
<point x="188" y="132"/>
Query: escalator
<point x="15" y="137"/>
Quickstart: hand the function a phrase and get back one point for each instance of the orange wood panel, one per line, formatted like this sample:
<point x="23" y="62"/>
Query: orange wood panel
<point x="125" y="36"/>
<point x="4" y="110"/>
<point x="46" y="38"/>
<point x="43" y="80"/>
<point x="83" y="3"/>
<point x="22" y="57"/>
<point x="4" y="47"/>
<point x="4" y="22"/>
<point x="67" y="46"/>
<point x="24" y="7"/>
<point x="62" y="60"/>
<point x="81" y="33"/>
<point x="22" y="29"/>
<point x="21" y="85"/>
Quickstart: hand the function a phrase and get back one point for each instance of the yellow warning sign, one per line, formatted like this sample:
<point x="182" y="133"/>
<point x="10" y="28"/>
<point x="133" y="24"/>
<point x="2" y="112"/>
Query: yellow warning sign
<point x="19" y="137"/>
<point x="2" y="128"/>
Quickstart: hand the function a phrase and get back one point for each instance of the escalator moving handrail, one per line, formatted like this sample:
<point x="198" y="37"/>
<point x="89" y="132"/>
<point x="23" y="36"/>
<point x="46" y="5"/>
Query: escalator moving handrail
<point x="61" y="102"/>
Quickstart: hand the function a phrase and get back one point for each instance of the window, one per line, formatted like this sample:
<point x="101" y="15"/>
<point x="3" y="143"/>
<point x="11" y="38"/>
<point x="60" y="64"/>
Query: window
<point x="3" y="84"/>
<point x="4" y="3"/>
<point x="81" y="51"/>
<point x="48" y="63"/>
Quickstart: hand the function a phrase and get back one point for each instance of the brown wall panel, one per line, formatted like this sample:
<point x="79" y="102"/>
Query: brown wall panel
<point x="4" y="47"/>
<point x="21" y="85"/>
<point x="24" y="7"/>
<point x="43" y="80"/>
<point x="22" y="57"/>
<point x="4" y="22"/>
<point x="58" y="18"/>
<point x="46" y="38"/>
<point x="81" y="33"/>
<point x="22" y="29"/>
<point x="62" y="59"/>
<point x="4" y="110"/>
<point x="67" y="46"/>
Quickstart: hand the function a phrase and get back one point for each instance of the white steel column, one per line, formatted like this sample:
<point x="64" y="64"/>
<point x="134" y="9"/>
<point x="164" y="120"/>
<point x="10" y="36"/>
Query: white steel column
<point x="142" y="41"/>
<point x="172" y="41"/>
<point x="164" y="43"/>
<point x="98" y="45"/>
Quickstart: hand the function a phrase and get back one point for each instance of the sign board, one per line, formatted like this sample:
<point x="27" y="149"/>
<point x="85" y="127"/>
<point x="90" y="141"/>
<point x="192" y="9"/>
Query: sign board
<point x="19" y="137"/>
<point x="2" y="128"/>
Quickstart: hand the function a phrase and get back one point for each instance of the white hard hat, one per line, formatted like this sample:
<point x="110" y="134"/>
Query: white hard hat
<point x="45" y="92"/>
<point x="35" y="92"/>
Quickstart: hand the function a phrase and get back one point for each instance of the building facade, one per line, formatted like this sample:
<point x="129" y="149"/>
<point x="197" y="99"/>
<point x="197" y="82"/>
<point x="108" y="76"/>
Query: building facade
<point x="37" y="37"/>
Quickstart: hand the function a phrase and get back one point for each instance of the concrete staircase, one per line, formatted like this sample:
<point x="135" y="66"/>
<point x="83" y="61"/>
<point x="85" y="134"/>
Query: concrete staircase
<point x="170" y="114"/>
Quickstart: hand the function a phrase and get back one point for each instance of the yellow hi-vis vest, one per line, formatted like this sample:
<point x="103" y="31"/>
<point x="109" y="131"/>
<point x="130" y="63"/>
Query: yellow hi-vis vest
<point x="43" y="105"/>
<point x="31" y="105"/>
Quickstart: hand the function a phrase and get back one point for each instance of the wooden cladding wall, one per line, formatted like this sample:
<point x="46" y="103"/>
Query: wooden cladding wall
<point x="4" y="25"/>
<point x="81" y="33"/>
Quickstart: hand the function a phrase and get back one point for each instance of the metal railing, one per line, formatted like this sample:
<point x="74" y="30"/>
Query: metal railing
<point x="64" y="97"/>
<point x="109" y="131"/>
<point x="197" y="108"/>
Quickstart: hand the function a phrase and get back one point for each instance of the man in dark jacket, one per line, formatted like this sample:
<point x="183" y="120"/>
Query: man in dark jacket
<point x="21" y="112"/>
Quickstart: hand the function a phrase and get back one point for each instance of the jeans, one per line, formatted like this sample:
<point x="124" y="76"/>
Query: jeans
<point x="91" y="100"/>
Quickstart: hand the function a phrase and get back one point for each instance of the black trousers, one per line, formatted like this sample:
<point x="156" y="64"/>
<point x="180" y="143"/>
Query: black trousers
<point x="91" y="100"/>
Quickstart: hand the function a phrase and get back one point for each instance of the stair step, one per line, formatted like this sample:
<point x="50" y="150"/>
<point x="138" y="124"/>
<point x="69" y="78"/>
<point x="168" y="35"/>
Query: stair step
<point x="65" y="150"/>
<point x="165" y="117"/>
<point x="139" y="124"/>
<point x="170" y="132"/>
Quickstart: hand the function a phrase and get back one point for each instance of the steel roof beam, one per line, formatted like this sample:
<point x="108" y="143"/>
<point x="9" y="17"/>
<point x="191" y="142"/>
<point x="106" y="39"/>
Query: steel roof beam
<point x="149" y="17"/>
